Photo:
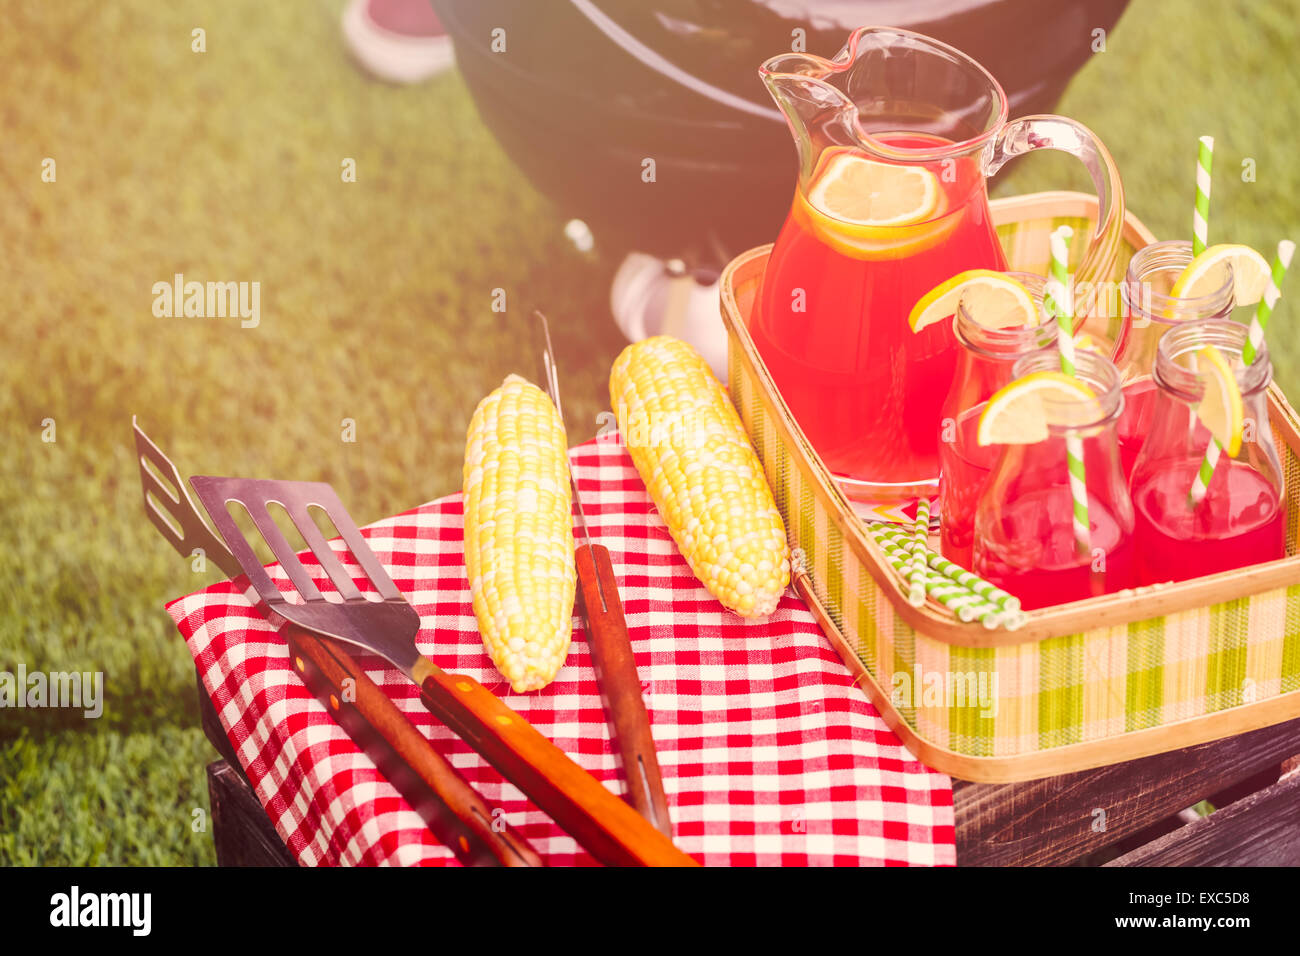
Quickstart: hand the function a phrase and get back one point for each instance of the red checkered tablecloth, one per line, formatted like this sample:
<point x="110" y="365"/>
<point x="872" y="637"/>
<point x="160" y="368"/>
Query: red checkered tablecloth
<point x="770" y="755"/>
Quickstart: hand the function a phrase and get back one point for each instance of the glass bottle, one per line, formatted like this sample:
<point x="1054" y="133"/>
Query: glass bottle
<point x="1024" y="532"/>
<point x="1149" y="312"/>
<point x="1241" y="518"/>
<point x="984" y="361"/>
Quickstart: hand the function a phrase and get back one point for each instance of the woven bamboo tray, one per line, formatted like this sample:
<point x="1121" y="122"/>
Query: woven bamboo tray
<point x="1081" y="685"/>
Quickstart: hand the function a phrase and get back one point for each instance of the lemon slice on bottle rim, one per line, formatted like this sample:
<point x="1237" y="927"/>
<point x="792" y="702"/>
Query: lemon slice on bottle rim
<point x="1205" y="274"/>
<point x="992" y="299"/>
<point x="1221" y="408"/>
<point x="1022" y="412"/>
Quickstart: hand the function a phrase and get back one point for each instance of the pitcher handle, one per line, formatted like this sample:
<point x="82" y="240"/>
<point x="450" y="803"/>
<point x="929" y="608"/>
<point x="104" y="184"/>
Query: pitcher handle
<point x="1028" y="133"/>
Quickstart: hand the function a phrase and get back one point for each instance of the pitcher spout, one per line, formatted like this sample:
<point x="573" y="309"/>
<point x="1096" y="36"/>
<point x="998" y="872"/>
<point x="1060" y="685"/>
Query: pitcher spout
<point x="886" y="81"/>
<point x="816" y="111"/>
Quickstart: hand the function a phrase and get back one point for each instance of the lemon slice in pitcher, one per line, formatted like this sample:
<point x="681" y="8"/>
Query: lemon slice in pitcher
<point x="992" y="300"/>
<point x="870" y="210"/>
<point x="1205" y="274"/>
<point x="1221" y="409"/>
<point x="1020" y="413"/>
<point x="862" y="192"/>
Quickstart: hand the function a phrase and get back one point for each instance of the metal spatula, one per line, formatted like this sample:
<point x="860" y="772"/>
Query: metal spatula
<point x="453" y="810"/>
<point x="607" y="827"/>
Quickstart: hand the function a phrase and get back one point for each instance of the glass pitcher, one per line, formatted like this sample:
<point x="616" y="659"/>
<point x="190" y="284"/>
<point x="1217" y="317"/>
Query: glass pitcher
<point x="895" y="138"/>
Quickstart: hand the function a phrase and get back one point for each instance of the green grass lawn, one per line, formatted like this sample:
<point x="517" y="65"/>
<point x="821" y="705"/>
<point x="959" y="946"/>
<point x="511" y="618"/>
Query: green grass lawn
<point x="376" y="307"/>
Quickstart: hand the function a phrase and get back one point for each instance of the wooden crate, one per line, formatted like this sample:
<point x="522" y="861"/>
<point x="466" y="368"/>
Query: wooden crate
<point x="1043" y="822"/>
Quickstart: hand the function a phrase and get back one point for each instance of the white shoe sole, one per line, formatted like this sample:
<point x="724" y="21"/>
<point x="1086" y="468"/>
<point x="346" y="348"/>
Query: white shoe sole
<point x="390" y="56"/>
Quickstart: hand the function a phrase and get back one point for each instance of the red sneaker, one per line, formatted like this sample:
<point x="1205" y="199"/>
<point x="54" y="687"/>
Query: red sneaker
<point x="400" y="41"/>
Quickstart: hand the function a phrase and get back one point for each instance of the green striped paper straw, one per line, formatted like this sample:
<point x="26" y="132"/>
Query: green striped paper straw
<point x="1200" y="238"/>
<point x="1205" y="474"/>
<point x="1014" y="620"/>
<point x="1254" y="339"/>
<point x="900" y="559"/>
<point x="967" y="579"/>
<point x="967" y="605"/>
<point x="1201" y="212"/>
<point x="917" y="546"/>
<point x="1264" y="310"/>
<point x="1057" y="298"/>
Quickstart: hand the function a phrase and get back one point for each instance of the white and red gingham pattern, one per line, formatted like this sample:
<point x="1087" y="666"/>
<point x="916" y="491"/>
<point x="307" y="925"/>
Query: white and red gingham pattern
<point x="770" y="755"/>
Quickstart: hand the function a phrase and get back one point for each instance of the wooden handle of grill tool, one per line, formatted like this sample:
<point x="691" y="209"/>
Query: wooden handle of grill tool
<point x="461" y="819"/>
<point x="620" y="684"/>
<point x="604" y="824"/>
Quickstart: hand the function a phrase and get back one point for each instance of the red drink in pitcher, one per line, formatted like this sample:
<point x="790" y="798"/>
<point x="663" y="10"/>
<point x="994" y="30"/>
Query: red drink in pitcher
<point x="832" y="320"/>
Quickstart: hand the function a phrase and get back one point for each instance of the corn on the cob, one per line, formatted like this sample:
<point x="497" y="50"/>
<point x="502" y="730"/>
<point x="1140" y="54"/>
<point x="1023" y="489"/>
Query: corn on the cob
<point x="691" y="450"/>
<point x="519" y="532"/>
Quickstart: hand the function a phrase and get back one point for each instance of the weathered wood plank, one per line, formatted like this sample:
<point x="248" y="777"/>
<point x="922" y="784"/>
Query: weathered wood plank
<point x="1057" y="820"/>
<point x="1261" y="830"/>
<point x="241" y="830"/>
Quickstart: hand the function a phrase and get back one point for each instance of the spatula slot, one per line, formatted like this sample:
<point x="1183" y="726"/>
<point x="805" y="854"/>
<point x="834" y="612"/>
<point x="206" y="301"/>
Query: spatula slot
<point x="280" y="515"/>
<point x="334" y="512"/>
<point x="303" y="540"/>
<point x="285" y="555"/>
<point x="306" y="522"/>
<point x="321" y="519"/>
<point x="161" y="512"/>
<point x="238" y="512"/>
<point x="160" y="480"/>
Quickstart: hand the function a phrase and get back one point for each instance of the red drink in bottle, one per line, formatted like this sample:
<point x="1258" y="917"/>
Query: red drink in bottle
<point x="1240" y="519"/>
<point x="1241" y="523"/>
<point x="965" y="467"/>
<point x="1040" y="562"/>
